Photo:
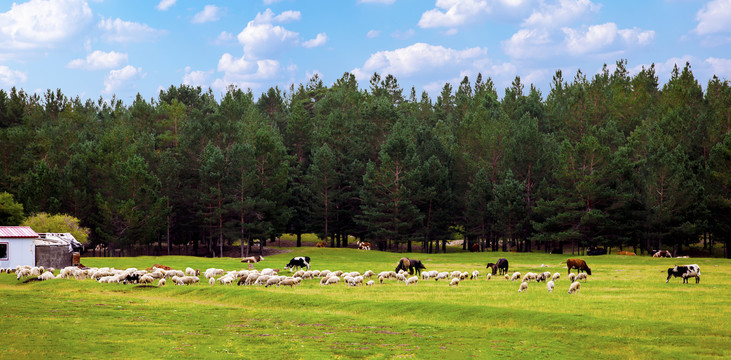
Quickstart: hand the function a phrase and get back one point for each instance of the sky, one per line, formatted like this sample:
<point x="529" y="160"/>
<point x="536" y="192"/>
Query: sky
<point x="101" y="48"/>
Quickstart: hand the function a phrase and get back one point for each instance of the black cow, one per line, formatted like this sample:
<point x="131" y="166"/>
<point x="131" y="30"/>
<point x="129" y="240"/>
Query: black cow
<point x="410" y="264"/>
<point x="298" y="262"/>
<point x="685" y="271"/>
<point x="502" y="265"/>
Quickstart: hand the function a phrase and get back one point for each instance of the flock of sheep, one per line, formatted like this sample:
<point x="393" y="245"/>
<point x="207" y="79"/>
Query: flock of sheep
<point x="271" y="277"/>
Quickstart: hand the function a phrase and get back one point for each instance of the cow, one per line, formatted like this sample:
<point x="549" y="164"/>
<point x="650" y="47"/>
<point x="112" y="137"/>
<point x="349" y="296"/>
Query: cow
<point x="410" y="264"/>
<point x="252" y="259"/>
<point x="475" y="248"/>
<point x="298" y="262"/>
<point x="661" y="253"/>
<point x="685" y="271"/>
<point x="502" y="265"/>
<point x="579" y="265"/>
<point x="363" y="245"/>
<point x="321" y="244"/>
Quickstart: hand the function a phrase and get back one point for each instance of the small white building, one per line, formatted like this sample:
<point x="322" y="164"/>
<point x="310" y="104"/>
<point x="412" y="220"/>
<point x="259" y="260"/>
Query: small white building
<point x="17" y="246"/>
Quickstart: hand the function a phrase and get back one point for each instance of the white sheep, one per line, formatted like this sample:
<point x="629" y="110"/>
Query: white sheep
<point x="572" y="277"/>
<point x="442" y="275"/>
<point x="226" y="280"/>
<point x="380" y="279"/>
<point x="456" y="274"/>
<point x="523" y="287"/>
<point x="556" y="276"/>
<point x="146" y="279"/>
<point x="161" y="282"/>
<point x="412" y="280"/>
<point x="529" y="276"/>
<point x="332" y="280"/>
<point x="212" y="281"/>
<point x="290" y="281"/>
<point x="454" y="282"/>
<point x="192" y="272"/>
<point x="581" y="276"/>
<point x="48" y="275"/>
<point x="489" y="276"/>
<point x="299" y="273"/>
<point x="507" y="277"/>
<point x="475" y="275"/>
<point x="370" y="283"/>
<point x="550" y="286"/>
<point x="274" y="280"/>
<point x="368" y="274"/>
<point x="262" y="279"/>
<point x="400" y="277"/>
<point x="516" y="276"/>
<point x="211" y="272"/>
<point x="575" y="287"/>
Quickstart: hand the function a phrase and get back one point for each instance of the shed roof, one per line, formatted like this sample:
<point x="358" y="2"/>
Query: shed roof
<point x="17" y="232"/>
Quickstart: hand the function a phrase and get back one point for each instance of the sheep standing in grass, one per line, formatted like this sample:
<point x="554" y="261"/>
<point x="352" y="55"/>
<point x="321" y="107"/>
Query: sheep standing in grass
<point x="454" y="282"/>
<point x="556" y="276"/>
<point x="550" y="286"/>
<point x="161" y="282"/>
<point x="192" y="272"/>
<point x="488" y="276"/>
<point x="332" y="280"/>
<point x="212" y="281"/>
<point x="507" y="277"/>
<point x="412" y="280"/>
<point x="575" y="287"/>
<point x="146" y="279"/>
<point x="516" y="276"/>
<point x="572" y="277"/>
<point x="523" y="287"/>
<point x="370" y="283"/>
<point x="48" y="275"/>
<point x="441" y="275"/>
<point x="475" y="275"/>
<point x="581" y="276"/>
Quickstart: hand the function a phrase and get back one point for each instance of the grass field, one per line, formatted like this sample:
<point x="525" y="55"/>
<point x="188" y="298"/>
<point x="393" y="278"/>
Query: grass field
<point x="625" y="310"/>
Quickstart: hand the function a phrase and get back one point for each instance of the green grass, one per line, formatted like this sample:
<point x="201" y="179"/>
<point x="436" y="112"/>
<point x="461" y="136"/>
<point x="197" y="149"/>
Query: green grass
<point x="624" y="310"/>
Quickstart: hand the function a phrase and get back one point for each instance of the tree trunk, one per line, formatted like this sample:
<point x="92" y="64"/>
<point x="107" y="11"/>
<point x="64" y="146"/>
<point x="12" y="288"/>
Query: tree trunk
<point x="299" y="239"/>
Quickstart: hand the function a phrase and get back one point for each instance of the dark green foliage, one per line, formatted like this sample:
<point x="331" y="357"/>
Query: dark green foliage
<point x="609" y="159"/>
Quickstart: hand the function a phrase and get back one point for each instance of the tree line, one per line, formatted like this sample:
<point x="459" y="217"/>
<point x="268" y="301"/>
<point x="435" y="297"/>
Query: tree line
<point x="607" y="160"/>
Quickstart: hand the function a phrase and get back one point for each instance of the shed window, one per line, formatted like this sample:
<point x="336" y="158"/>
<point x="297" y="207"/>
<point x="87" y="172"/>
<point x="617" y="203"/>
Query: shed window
<point x="3" y="251"/>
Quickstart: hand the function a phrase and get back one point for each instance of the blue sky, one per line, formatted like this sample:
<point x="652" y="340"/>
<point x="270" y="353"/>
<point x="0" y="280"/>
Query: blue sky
<point x="94" y="48"/>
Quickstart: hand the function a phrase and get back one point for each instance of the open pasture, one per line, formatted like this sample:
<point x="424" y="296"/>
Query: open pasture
<point x="624" y="310"/>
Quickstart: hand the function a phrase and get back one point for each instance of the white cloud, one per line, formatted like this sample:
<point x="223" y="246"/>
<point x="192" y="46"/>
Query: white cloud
<point x="387" y="2"/>
<point x="224" y="38"/>
<point x="196" y="78"/>
<point x="121" y="31"/>
<point x="714" y="17"/>
<point x="373" y="34"/>
<point x="208" y="14"/>
<point x="269" y="2"/>
<point x="268" y="17"/>
<point x="530" y="43"/>
<point x="560" y="14"/>
<point x="42" y="23"/>
<point x="599" y="37"/>
<point x="261" y="39"/>
<point x="98" y="60"/>
<point x="10" y="77"/>
<point x="165" y="4"/>
<point x="719" y="67"/>
<point x="245" y="73"/>
<point x="451" y="32"/>
<point x="419" y="57"/>
<point x="321" y="39"/>
<point x="117" y="79"/>
<point x="451" y="13"/>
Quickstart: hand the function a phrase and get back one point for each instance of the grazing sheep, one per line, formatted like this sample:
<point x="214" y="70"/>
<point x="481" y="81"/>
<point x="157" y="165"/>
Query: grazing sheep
<point x="291" y="282"/>
<point x="464" y="275"/>
<point x="146" y="279"/>
<point x="324" y="273"/>
<point x="516" y="276"/>
<point x="332" y="280"/>
<point x="192" y="272"/>
<point x="262" y="279"/>
<point x="299" y="273"/>
<point x="442" y="275"/>
<point x="212" y="281"/>
<point x="48" y="275"/>
<point x="370" y="283"/>
<point x="211" y="272"/>
<point x="523" y="286"/>
<point x="529" y="276"/>
<point x="507" y="277"/>
<point x="575" y="287"/>
<point x="556" y="276"/>
<point x="269" y="272"/>
<point x="368" y="274"/>
<point x="475" y="275"/>
<point x="550" y="286"/>
<point x="412" y="280"/>
<point x="380" y="279"/>
<point x="454" y="282"/>
<point x="572" y="277"/>
<point x="400" y="277"/>
<point x="161" y="282"/>
<point x="581" y="276"/>
<point x="274" y="280"/>
<point x="489" y="276"/>
<point x="22" y="273"/>
<point x="337" y="273"/>
<point x="456" y="274"/>
<point x="251" y="279"/>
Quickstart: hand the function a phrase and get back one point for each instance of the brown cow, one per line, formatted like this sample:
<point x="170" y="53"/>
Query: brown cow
<point x="629" y="253"/>
<point x="579" y="265"/>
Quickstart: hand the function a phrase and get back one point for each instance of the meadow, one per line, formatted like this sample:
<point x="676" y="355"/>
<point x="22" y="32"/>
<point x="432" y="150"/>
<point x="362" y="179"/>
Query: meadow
<point x="625" y="310"/>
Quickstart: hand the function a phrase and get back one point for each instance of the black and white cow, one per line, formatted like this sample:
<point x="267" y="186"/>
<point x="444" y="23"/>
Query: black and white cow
<point x="685" y="271"/>
<point x="299" y="262"/>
